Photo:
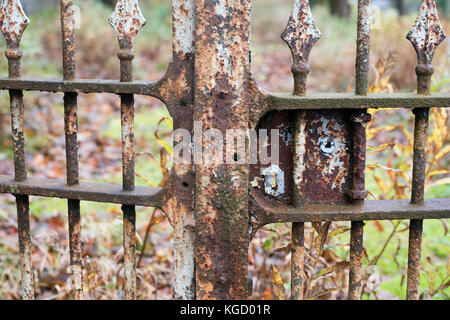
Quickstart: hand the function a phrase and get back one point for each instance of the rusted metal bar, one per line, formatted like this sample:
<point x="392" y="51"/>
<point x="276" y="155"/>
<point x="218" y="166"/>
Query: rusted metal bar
<point x="23" y="230"/>
<point x="129" y="212"/>
<point x="96" y="192"/>
<point x="148" y="88"/>
<point x="70" y="130"/>
<point x="269" y="100"/>
<point x="298" y="276"/>
<point x="363" y="47"/>
<point x="285" y="101"/>
<point x="13" y="23"/>
<point x="414" y="256"/>
<point x="357" y="195"/>
<point x="264" y="212"/>
<point x="126" y="20"/>
<point x="359" y="119"/>
<point x="425" y="37"/>
<point x="222" y="33"/>
<point x="417" y="196"/>
<point x="264" y="102"/>
<point x="179" y="206"/>
<point x="300" y="35"/>
<point x="356" y="251"/>
<point x="420" y="154"/>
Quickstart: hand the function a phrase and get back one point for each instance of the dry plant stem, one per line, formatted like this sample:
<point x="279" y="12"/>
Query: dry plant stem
<point x="358" y="192"/>
<point x="147" y="233"/>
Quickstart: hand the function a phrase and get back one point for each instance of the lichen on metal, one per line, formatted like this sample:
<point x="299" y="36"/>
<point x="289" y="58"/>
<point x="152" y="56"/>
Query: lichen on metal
<point x="427" y="33"/>
<point x="127" y="19"/>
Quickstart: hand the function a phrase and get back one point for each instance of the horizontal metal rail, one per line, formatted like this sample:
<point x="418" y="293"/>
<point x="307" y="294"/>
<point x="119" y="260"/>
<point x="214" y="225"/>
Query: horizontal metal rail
<point x="96" y="192"/>
<point x="370" y="210"/>
<point x="274" y="101"/>
<point x="286" y="101"/>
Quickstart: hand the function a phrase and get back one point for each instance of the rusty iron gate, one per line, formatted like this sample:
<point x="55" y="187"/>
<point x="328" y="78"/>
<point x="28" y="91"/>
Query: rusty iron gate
<point x="217" y="208"/>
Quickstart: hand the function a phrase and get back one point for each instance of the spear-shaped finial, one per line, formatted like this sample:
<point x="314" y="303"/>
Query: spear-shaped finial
<point x="426" y="35"/>
<point x="300" y="35"/>
<point x="127" y="20"/>
<point x="13" y="23"/>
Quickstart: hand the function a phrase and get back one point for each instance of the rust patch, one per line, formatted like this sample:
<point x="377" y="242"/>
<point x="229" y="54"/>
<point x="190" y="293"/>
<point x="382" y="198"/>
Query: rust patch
<point x="221" y="199"/>
<point x="283" y="122"/>
<point x="414" y="255"/>
<point x="358" y="190"/>
<point x="363" y="47"/>
<point x="71" y="130"/>
<point x="322" y="151"/>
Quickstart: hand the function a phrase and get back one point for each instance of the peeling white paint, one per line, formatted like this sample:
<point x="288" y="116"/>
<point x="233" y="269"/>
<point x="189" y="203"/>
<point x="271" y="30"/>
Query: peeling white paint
<point x="183" y="26"/>
<point x="299" y="151"/>
<point x="127" y="18"/>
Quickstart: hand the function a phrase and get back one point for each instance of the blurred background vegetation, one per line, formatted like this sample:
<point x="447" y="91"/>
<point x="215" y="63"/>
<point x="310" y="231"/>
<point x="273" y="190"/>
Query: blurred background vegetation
<point x="332" y="60"/>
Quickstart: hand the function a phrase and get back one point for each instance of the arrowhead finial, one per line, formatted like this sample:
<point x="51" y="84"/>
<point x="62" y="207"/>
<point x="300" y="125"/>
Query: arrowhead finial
<point x="300" y="35"/>
<point x="427" y="33"/>
<point x="13" y="22"/>
<point x="127" y="20"/>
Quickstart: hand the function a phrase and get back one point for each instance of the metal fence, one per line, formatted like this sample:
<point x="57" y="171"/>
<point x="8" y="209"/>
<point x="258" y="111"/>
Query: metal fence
<point x="216" y="210"/>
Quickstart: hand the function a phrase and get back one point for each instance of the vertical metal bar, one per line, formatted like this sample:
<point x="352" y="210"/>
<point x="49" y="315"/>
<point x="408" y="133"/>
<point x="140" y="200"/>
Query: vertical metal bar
<point x="129" y="212"/>
<point x="71" y="130"/>
<point x="126" y="20"/>
<point x="13" y="23"/>
<point x="300" y="35"/>
<point x="356" y="250"/>
<point x="425" y="36"/>
<point x="297" y="260"/>
<point x="222" y="35"/>
<point x="359" y="119"/>
<point x="357" y="195"/>
<point x="181" y="108"/>
<point x="417" y="196"/>
<point x="363" y="47"/>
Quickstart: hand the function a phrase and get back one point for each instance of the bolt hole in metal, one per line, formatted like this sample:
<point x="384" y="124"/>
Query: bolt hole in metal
<point x="327" y="146"/>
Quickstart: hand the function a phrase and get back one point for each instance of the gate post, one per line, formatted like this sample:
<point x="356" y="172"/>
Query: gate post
<point x="221" y="102"/>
